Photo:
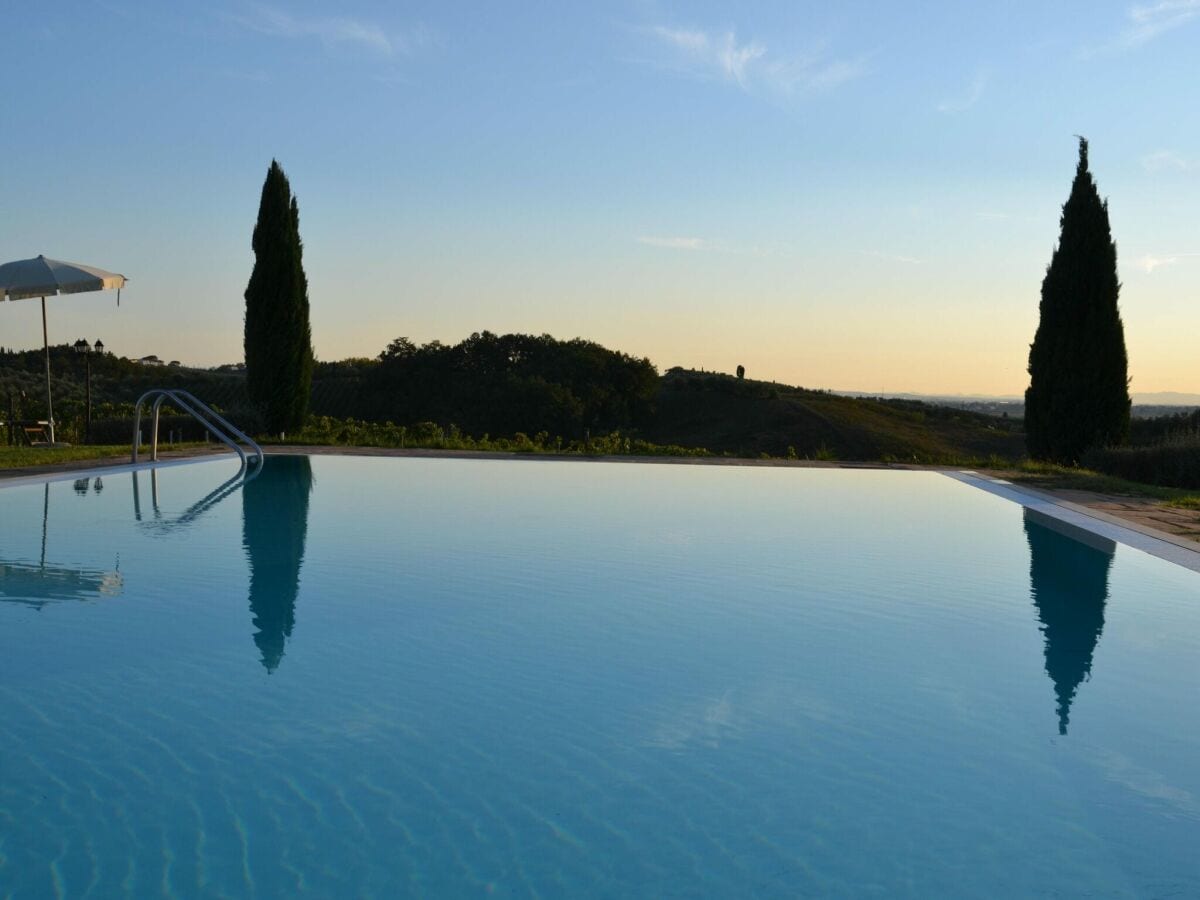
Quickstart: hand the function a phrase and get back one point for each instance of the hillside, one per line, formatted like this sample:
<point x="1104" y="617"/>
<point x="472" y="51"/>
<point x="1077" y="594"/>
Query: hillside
<point x="725" y="414"/>
<point x="692" y="409"/>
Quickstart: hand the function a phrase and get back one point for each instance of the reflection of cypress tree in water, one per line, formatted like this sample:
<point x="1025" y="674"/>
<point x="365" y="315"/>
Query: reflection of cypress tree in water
<point x="274" y="525"/>
<point x="1068" y="578"/>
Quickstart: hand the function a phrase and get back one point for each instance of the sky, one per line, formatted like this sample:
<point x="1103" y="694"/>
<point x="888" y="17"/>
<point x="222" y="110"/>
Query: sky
<point x="858" y="196"/>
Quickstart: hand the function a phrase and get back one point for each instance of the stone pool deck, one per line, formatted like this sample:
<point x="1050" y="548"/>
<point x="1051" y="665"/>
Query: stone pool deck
<point x="1148" y="516"/>
<point x="1147" y="512"/>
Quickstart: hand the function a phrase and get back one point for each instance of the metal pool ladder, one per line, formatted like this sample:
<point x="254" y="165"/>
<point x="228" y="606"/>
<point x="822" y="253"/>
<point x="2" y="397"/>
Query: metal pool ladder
<point x="220" y="427"/>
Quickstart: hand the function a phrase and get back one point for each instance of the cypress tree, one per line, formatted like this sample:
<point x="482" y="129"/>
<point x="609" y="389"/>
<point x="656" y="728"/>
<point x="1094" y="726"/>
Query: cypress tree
<point x="1078" y="395"/>
<point x="274" y="529"/>
<point x="278" y="338"/>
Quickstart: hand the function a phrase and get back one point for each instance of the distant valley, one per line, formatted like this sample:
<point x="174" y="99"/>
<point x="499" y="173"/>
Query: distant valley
<point x="1145" y="405"/>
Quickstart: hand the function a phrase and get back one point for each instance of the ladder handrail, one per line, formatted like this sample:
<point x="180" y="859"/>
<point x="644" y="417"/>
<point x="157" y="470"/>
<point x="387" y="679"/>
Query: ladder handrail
<point x="221" y="435"/>
<point x="161" y="394"/>
<point x="229" y="426"/>
<point x="187" y="402"/>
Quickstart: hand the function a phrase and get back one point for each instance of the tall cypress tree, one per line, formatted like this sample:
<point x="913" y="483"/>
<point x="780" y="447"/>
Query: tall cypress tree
<point x="274" y="528"/>
<point x="278" y="338"/>
<point x="1078" y="395"/>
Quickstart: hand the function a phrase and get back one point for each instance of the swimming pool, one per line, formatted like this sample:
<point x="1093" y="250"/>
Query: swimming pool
<point x="380" y="677"/>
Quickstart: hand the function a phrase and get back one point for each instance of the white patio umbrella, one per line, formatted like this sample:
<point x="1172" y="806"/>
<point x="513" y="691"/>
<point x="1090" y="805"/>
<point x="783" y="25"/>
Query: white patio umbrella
<point x="41" y="277"/>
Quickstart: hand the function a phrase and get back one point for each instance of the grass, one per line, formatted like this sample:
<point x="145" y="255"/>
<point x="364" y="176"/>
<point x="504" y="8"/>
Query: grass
<point x="1056" y="477"/>
<point x="326" y="431"/>
<point x="24" y="457"/>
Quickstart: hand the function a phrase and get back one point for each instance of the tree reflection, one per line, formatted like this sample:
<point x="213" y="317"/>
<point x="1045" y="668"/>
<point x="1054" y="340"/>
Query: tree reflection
<point x="1068" y="581"/>
<point x="274" y="527"/>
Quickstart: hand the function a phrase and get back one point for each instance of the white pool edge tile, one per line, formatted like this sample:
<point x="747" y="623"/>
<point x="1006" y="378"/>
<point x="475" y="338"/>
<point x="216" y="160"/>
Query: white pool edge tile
<point x="102" y="471"/>
<point x="1148" y="540"/>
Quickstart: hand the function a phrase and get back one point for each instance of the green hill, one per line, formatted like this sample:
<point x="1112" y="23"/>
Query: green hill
<point x="726" y="414"/>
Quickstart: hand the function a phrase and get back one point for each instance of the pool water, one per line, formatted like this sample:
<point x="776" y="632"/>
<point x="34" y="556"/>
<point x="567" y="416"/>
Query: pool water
<point x="457" y="678"/>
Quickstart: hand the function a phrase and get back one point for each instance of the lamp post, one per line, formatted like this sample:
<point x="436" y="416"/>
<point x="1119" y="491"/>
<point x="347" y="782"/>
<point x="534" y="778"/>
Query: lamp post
<point x="82" y="346"/>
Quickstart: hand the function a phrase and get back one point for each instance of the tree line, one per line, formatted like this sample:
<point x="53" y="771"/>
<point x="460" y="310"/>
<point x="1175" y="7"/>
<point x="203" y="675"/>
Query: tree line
<point x="503" y="384"/>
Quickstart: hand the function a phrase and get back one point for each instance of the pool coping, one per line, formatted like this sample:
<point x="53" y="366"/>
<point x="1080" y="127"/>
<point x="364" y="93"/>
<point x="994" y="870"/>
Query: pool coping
<point x="111" y="469"/>
<point x="1180" y="551"/>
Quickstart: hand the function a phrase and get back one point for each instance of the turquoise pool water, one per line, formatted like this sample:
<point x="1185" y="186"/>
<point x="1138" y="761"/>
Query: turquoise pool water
<point x="390" y="677"/>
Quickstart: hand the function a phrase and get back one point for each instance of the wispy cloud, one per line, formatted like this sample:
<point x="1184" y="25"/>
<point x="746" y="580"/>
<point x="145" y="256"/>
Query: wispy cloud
<point x="1148" y="22"/>
<point x="1123" y="771"/>
<point x="1168" y="161"/>
<point x="1149" y="262"/>
<point x="966" y="100"/>
<point x="751" y="63"/>
<point x="832" y="74"/>
<point x="707" y="245"/>
<point x="675" y="243"/>
<point x="892" y="257"/>
<point x="734" y="58"/>
<point x="1145" y="23"/>
<point x="330" y="30"/>
<point x="692" y="41"/>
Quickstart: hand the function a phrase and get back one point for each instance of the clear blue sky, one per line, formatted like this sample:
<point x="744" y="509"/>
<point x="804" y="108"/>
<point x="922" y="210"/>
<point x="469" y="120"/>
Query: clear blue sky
<point x="860" y="196"/>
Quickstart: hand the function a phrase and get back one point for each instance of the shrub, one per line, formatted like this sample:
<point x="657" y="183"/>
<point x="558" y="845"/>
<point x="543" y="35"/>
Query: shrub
<point x="1174" y="462"/>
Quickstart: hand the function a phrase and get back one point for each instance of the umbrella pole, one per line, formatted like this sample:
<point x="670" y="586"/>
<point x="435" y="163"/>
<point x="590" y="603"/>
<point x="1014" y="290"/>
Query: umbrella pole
<point x="49" y="400"/>
<point x="45" y="519"/>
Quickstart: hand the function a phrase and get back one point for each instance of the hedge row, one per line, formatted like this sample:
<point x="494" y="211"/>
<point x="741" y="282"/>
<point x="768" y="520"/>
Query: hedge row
<point x="1174" y="462"/>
